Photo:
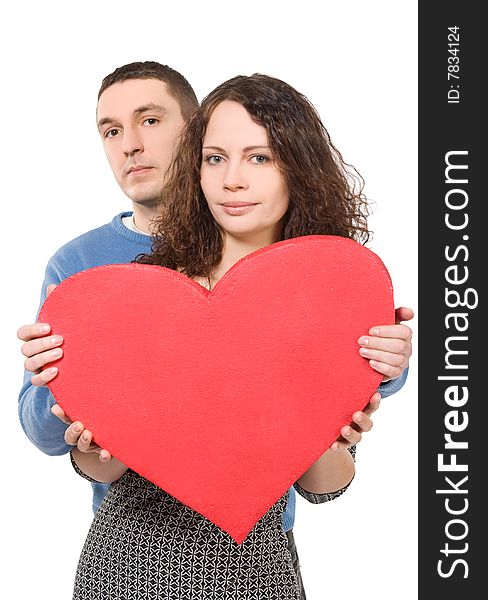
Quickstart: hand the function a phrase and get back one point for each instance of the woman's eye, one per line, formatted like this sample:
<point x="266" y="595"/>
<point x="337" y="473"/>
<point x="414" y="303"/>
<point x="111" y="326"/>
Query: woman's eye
<point x="214" y="160"/>
<point x="259" y="159"/>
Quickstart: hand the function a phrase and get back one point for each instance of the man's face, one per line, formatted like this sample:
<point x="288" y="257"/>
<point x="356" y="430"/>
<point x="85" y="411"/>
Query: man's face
<point x="139" y="122"/>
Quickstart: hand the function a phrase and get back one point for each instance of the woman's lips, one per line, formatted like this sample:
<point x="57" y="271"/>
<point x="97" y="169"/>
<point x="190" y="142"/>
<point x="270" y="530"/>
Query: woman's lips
<point x="237" y="208"/>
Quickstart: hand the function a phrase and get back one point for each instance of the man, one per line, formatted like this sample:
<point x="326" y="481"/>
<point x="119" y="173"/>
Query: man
<point x="141" y="110"/>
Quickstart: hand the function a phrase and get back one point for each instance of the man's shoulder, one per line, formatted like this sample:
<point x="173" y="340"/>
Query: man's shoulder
<point x="107" y="244"/>
<point x="93" y="235"/>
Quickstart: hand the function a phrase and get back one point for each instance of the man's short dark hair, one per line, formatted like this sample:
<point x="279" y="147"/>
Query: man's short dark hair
<point x="178" y="86"/>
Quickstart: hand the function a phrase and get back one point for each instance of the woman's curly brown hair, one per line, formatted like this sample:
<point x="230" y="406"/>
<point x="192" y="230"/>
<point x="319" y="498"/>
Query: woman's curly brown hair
<point x="325" y="194"/>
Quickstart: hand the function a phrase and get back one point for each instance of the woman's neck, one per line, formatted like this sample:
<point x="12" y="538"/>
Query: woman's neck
<point x="236" y="248"/>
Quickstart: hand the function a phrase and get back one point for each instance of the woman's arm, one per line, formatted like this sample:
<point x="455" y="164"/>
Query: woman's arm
<point x="94" y="462"/>
<point x="334" y="470"/>
<point x="388" y="349"/>
<point x="91" y="465"/>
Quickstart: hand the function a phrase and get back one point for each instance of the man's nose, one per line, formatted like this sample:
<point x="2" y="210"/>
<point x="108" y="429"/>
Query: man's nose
<point x="132" y="142"/>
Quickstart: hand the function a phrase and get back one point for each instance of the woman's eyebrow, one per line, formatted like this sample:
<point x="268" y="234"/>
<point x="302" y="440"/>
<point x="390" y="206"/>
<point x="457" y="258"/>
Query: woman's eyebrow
<point x="246" y="149"/>
<point x="251" y="148"/>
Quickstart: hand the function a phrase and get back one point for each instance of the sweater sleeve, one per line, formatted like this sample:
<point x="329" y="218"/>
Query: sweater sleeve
<point x="42" y="428"/>
<point x="394" y="385"/>
<point x="111" y="243"/>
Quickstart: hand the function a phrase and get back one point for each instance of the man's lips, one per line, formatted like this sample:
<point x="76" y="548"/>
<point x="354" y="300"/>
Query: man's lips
<point x="139" y="170"/>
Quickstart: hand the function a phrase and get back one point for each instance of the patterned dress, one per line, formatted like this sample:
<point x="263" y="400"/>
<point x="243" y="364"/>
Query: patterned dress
<point x="144" y="544"/>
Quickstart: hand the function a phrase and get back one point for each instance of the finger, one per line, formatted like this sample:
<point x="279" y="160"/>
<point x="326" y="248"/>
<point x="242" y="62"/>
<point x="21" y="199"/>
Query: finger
<point x="399" y="331"/>
<point x="38" y="345"/>
<point x="30" y="332"/>
<point x="72" y="434"/>
<point x="105" y="455"/>
<point x="44" y="377"/>
<point x="388" y="371"/>
<point x="402" y="313"/>
<point x="340" y="446"/>
<point x="373" y="404"/>
<point x="393" y="345"/>
<point x="393" y="359"/>
<point x="50" y="288"/>
<point x="362" y="422"/>
<point x="350" y="435"/>
<point x="36" y="362"/>
<point x="57" y="411"/>
<point x="84" y="441"/>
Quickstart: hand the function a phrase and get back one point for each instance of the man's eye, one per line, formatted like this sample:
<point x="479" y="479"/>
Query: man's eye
<point x="150" y="121"/>
<point x="111" y="133"/>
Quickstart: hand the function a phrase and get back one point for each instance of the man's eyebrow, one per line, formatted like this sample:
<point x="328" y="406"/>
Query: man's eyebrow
<point x="105" y="121"/>
<point x="151" y="106"/>
<point x="138" y="111"/>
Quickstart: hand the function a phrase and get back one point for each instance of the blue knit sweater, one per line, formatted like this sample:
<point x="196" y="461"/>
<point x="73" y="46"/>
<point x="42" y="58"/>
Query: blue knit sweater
<point x="112" y="243"/>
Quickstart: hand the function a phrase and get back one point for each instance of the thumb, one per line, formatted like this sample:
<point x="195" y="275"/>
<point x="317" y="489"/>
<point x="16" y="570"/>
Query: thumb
<point x="50" y="288"/>
<point x="403" y="314"/>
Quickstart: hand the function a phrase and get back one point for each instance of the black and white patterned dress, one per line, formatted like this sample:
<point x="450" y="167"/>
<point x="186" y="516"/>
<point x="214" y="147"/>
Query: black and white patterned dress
<point x="144" y="544"/>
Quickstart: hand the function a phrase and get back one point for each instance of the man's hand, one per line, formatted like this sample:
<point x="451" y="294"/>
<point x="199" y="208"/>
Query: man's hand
<point x="389" y="347"/>
<point x="40" y="349"/>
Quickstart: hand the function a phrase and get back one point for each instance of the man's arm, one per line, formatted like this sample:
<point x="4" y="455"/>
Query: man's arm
<point x="42" y="428"/>
<point x="387" y="388"/>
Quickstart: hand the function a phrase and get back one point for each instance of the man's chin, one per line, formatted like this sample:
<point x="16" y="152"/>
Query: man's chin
<point x="144" y="198"/>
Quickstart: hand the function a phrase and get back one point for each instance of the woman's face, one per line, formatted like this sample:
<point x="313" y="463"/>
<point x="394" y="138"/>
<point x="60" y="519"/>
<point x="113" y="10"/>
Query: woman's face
<point x="244" y="189"/>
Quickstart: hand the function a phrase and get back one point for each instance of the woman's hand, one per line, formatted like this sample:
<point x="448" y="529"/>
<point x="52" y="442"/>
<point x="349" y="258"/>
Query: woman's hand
<point x="77" y="435"/>
<point x="92" y="460"/>
<point x="361" y="423"/>
<point x="334" y="470"/>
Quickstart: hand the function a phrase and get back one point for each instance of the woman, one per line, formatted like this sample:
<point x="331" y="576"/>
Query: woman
<point x="254" y="166"/>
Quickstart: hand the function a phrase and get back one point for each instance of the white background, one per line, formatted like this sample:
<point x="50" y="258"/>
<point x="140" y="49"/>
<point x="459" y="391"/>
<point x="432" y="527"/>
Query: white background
<point x="356" y="61"/>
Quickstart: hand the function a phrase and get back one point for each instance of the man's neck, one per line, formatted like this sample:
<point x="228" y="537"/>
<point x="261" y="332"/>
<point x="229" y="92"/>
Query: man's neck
<point x="143" y="217"/>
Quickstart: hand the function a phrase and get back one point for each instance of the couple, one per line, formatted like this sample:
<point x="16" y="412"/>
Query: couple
<point x="252" y="165"/>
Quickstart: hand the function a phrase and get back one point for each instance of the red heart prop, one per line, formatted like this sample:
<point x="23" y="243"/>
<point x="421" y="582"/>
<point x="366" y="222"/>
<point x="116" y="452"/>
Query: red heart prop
<point x="222" y="398"/>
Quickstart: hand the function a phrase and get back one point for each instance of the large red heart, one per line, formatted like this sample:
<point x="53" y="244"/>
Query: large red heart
<point x="222" y="398"/>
